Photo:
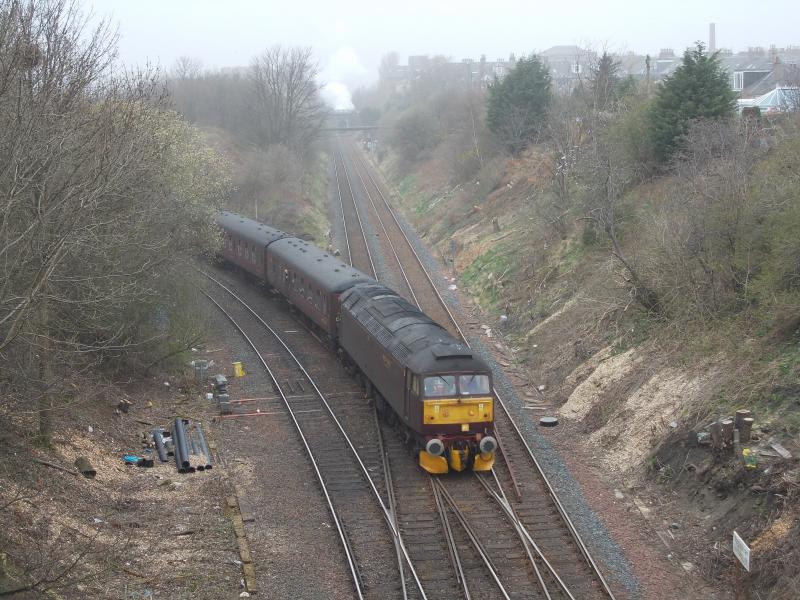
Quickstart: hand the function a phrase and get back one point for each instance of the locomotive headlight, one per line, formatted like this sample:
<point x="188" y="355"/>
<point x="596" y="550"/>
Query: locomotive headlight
<point x="435" y="447"/>
<point x="488" y="445"/>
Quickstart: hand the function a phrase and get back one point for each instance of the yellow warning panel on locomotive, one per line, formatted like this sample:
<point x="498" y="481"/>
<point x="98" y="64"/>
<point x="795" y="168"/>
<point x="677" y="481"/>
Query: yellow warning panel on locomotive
<point x="452" y="411"/>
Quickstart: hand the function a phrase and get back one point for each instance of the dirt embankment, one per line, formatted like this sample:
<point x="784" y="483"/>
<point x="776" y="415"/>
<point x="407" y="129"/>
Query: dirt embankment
<point x="128" y="532"/>
<point x="632" y="392"/>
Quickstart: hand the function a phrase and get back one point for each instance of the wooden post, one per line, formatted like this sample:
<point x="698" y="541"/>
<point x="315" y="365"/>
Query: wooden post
<point x="495" y="225"/>
<point x="742" y="413"/>
<point x="727" y="431"/>
<point x="745" y="428"/>
<point x="716" y="435"/>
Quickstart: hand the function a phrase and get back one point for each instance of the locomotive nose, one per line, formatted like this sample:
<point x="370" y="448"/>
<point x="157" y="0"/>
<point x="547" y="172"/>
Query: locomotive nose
<point x="488" y="444"/>
<point x="435" y="447"/>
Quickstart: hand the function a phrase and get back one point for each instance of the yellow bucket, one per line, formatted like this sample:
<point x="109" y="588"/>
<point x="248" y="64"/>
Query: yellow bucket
<point x="238" y="370"/>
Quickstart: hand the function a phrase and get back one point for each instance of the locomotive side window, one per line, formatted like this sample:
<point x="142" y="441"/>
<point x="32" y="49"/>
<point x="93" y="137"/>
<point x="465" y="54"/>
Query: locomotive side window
<point x="440" y="385"/>
<point x="473" y="384"/>
<point x="412" y="383"/>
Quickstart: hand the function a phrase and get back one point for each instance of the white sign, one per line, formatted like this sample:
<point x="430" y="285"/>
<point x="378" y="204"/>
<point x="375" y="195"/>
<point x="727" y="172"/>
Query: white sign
<point x="741" y="551"/>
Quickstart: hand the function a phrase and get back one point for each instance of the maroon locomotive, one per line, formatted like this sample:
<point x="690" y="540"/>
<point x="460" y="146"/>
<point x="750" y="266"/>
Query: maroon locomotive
<point x="433" y="387"/>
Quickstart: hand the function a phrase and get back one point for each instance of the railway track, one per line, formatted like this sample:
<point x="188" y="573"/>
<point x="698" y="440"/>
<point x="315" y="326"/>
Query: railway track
<point x="359" y="254"/>
<point x="356" y="484"/>
<point x="563" y="566"/>
<point x="471" y="562"/>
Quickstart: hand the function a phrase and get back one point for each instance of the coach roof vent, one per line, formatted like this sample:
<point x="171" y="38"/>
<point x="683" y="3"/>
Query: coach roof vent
<point x="442" y="351"/>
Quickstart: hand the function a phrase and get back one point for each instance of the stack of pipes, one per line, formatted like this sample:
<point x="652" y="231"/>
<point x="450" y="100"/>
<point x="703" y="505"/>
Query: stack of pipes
<point x="187" y="444"/>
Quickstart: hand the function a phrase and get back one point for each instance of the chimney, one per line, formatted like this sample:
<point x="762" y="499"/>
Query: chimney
<point x="712" y="38"/>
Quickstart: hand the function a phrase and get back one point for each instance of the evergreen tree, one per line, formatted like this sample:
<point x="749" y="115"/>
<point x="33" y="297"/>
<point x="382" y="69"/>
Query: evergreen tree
<point x="605" y="82"/>
<point x="698" y="89"/>
<point x="518" y="104"/>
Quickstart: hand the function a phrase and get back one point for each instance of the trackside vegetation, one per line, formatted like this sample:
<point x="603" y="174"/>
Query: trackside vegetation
<point x="105" y="195"/>
<point x="634" y="219"/>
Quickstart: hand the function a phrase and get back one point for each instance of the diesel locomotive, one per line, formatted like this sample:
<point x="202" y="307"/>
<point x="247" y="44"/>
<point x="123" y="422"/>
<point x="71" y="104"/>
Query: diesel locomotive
<point x="432" y="387"/>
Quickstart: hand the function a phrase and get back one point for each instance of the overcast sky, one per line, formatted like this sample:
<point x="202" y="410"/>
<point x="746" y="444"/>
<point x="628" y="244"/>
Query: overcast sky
<point x="349" y="36"/>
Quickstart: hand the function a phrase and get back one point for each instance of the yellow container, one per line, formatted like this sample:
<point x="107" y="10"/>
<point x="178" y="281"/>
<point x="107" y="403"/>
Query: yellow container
<point x="238" y="369"/>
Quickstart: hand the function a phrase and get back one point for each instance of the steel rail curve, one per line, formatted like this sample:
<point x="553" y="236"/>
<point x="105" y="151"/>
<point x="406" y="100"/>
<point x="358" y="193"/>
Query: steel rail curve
<point x="473" y="537"/>
<point x="390" y="497"/>
<point x="452" y="548"/>
<point x="339" y="528"/>
<point x="388" y="516"/>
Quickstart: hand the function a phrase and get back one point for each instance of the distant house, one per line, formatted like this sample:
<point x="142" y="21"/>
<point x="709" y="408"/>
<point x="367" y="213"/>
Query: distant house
<point x="753" y="73"/>
<point x="568" y="65"/>
<point x="779" y="100"/>
<point x="665" y="63"/>
<point x="757" y="72"/>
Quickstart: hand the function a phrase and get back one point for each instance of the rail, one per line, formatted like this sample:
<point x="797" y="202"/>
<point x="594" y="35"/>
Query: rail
<point x="388" y="516"/>
<point x="551" y="491"/>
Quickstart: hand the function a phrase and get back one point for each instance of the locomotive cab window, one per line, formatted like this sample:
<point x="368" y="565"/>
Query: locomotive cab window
<point x="473" y="384"/>
<point x="440" y="385"/>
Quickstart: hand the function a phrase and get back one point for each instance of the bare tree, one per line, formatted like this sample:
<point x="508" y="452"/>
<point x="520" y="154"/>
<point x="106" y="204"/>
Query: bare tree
<point x="288" y="108"/>
<point x="187" y="67"/>
<point x="565" y="135"/>
<point x="607" y="174"/>
<point x="98" y="196"/>
<point x="701" y="246"/>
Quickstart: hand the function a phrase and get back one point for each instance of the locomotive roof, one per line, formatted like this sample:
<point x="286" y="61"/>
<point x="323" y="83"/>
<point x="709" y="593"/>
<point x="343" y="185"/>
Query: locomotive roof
<point x="410" y="335"/>
<point x="325" y="269"/>
<point x="252" y="231"/>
